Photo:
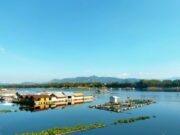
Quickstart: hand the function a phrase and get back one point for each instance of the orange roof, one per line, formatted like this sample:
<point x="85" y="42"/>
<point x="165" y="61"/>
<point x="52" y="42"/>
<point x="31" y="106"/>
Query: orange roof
<point x="35" y="96"/>
<point x="78" y="94"/>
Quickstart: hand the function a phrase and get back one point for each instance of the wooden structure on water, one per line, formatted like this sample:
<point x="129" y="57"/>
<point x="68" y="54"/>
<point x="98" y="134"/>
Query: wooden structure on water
<point x="123" y="105"/>
<point x="54" y="98"/>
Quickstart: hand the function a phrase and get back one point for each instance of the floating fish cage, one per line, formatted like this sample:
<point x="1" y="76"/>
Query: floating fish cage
<point x="123" y="106"/>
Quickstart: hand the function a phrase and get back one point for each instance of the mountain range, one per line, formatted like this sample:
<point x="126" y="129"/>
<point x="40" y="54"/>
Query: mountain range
<point x="90" y="79"/>
<point x="94" y="79"/>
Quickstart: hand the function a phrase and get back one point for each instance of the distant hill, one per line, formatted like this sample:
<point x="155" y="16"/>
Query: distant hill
<point x="29" y="83"/>
<point x="94" y="79"/>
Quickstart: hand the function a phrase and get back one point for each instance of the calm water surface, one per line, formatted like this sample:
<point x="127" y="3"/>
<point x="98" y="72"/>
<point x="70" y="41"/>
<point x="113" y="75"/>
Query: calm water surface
<point x="166" y="110"/>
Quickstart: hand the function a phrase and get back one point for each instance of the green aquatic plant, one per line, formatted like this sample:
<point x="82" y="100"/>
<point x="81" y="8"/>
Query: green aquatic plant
<point x="65" y="130"/>
<point x="7" y="111"/>
<point x="130" y="120"/>
<point x="77" y="128"/>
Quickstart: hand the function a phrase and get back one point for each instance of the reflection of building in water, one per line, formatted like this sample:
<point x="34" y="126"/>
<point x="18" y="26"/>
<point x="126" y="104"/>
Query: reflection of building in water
<point x="43" y="107"/>
<point x="55" y="98"/>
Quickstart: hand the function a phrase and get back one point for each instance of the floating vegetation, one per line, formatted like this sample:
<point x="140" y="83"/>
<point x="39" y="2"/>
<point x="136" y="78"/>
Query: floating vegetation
<point x="78" y="128"/>
<point x="7" y="111"/>
<point x="66" y="130"/>
<point x="131" y="120"/>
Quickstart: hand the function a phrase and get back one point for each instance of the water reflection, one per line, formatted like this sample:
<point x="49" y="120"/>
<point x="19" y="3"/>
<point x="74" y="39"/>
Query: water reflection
<point x="167" y="110"/>
<point x="44" y="107"/>
<point x="6" y="103"/>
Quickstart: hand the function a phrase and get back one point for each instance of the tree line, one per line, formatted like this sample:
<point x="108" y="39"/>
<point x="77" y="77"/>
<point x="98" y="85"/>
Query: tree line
<point x="142" y="84"/>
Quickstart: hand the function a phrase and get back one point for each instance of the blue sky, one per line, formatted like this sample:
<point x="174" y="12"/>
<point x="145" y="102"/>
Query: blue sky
<point x="42" y="40"/>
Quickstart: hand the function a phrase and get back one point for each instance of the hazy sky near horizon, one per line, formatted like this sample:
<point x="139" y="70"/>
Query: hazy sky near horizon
<point x="42" y="40"/>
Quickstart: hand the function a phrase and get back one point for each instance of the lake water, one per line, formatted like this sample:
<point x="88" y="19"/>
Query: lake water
<point x="166" y="110"/>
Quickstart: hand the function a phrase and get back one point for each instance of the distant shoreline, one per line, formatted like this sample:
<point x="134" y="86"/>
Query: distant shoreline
<point x="151" y="89"/>
<point x="142" y="85"/>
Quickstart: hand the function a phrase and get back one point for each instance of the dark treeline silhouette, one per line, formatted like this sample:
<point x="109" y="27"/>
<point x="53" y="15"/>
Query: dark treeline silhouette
<point x="142" y="85"/>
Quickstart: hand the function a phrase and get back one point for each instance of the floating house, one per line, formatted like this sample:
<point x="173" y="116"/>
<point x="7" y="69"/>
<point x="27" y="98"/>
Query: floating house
<point x="78" y="98"/>
<point x="54" y="98"/>
<point x="34" y="99"/>
<point x="114" y="99"/>
<point x="58" y="98"/>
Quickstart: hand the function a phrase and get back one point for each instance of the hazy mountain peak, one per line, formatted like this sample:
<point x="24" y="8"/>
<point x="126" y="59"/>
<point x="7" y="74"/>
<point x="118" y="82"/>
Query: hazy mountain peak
<point x="94" y="79"/>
